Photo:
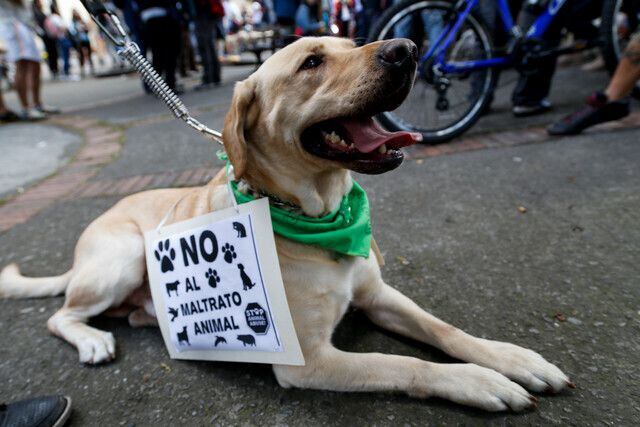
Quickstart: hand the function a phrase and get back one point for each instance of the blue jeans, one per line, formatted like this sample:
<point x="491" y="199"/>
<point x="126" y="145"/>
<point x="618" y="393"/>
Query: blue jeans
<point x="65" y="50"/>
<point x="431" y="22"/>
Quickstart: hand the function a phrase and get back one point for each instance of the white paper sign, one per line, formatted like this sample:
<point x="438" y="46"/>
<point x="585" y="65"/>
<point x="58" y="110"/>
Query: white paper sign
<point x="217" y="288"/>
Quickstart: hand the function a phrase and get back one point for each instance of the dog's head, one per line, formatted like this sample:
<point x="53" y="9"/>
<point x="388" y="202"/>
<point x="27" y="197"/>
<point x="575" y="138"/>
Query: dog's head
<point x="312" y="103"/>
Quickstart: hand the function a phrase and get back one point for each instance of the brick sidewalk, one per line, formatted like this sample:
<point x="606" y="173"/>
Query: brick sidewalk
<point x="103" y="144"/>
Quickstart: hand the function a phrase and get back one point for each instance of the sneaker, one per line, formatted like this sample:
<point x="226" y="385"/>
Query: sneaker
<point x="47" y="109"/>
<point x="533" y="109"/>
<point x="597" y="110"/>
<point x="48" y="411"/>
<point x="32" y="114"/>
<point x="8" y="117"/>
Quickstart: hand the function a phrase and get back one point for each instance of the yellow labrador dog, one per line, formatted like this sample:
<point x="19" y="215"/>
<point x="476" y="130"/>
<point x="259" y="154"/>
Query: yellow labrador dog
<point x="295" y="129"/>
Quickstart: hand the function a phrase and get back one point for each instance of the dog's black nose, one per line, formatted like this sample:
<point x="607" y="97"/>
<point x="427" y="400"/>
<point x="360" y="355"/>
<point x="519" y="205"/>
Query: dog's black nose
<point x="397" y="53"/>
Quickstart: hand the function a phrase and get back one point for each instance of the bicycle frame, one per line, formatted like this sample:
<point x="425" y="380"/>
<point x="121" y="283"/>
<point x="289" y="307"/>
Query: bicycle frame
<point x="462" y="9"/>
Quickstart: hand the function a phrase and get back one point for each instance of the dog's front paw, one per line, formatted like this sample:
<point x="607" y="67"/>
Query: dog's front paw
<point x="97" y="347"/>
<point x="525" y="367"/>
<point x="483" y="388"/>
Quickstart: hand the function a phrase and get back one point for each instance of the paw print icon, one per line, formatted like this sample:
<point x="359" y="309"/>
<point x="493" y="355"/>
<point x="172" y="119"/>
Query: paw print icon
<point x="166" y="255"/>
<point x="229" y="253"/>
<point x="212" y="277"/>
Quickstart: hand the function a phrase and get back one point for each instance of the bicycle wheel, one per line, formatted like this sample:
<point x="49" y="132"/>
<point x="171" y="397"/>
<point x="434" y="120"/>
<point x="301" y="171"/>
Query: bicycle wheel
<point x="620" y="19"/>
<point x="439" y="115"/>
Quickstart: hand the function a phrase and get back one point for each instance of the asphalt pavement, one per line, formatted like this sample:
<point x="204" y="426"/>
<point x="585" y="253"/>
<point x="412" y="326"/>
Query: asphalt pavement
<point x="46" y="147"/>
<point x="561" y="278"/>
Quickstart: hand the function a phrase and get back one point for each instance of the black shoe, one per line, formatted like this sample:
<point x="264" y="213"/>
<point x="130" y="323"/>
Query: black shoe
<point x="9" y="116"/>
<point x="532" y="109"/>
<point x="48" y="411"/>
<point x="597" y="110"/>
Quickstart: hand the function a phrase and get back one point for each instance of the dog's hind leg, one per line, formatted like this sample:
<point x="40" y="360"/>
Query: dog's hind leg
<point x="392" y="310"/>
<point x="104" y="276"/>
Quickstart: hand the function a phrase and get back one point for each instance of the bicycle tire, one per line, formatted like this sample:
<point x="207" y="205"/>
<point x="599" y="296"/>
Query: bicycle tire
<point x="468" y="120"/>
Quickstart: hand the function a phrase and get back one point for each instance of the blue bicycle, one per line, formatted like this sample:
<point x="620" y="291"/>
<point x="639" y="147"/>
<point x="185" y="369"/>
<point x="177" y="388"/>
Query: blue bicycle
<point x="458" y="69"/>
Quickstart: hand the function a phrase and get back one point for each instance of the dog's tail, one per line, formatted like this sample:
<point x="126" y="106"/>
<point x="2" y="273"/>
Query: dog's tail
<point x="15" y="285"/>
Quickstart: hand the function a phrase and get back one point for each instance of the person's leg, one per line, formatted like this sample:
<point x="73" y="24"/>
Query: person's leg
<point x="157" y="50"/>
<point x="627" y="73"/>
<point x="402" y="29"/>
<point x="65" y="49"/>
<point x="432" y="24"/>
<point x="215" y="62"/>
<point x="608" y="105"/>
<point x="3" y="108"/>
<point x="182" y="56"/>
<point x="532" y="89"/>
<point x="149" y="38"/>
<point x="34" y="82"/>
<point x="191" y="54"/>
<point x="172" y="52"/>
<point x="160" y="41"/>
<point x="80" y="58"/>
<point x="203" y="35"/>
<point x="21" y="82"/>
<point x="86" y="48"/>
<point x="51" y="46"/>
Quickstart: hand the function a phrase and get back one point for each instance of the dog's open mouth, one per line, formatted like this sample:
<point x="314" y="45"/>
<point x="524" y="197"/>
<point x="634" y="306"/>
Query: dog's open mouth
<point x="359" y="143"/>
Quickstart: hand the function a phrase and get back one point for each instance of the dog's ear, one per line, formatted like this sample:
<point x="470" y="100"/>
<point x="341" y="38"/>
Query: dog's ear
<point x="235" y="123"/>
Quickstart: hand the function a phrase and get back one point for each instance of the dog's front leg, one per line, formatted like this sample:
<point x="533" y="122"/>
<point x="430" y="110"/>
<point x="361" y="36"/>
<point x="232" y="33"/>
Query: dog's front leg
<point x="392" y="310"/>
<point x="328" y="368"/>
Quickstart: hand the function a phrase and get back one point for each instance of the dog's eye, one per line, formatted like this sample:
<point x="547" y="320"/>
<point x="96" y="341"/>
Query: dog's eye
<point x="312" y="61"/>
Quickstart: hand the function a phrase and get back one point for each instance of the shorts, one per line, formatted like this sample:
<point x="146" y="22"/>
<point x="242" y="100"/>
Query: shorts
<point x="20" y="42"/>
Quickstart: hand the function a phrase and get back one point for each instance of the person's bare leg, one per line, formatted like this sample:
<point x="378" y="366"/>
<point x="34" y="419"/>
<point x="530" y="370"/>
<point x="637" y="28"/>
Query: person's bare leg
<point x="35" y="82"/>
<point x="627" y="73"/>
<point x="3" y="108"/>
<point x="610" y="105"/>
<point x="21" y="82"/>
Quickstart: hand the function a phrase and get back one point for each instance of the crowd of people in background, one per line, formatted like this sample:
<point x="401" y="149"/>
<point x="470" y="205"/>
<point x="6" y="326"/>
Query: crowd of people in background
<point x="180" y="35"/>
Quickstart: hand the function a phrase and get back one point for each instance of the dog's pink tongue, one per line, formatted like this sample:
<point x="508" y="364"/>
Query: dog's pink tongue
<point x="367" y="135"/>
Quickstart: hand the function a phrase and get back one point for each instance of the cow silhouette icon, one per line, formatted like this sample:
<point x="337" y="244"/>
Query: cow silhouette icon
<point x="183" y="336"/>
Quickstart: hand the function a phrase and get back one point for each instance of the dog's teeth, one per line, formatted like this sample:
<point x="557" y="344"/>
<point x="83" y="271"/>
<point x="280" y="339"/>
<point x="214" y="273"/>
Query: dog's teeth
<point x="382" y="149"/>
<point x="335" y="139"/>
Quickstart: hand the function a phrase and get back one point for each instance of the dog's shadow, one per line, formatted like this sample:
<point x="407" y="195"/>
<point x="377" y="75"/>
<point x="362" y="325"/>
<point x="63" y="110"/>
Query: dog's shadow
<point x="358" y="334"/>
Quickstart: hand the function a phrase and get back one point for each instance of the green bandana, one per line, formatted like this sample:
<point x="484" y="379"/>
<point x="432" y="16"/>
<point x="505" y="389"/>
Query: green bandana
<point x="347" y="230"/>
